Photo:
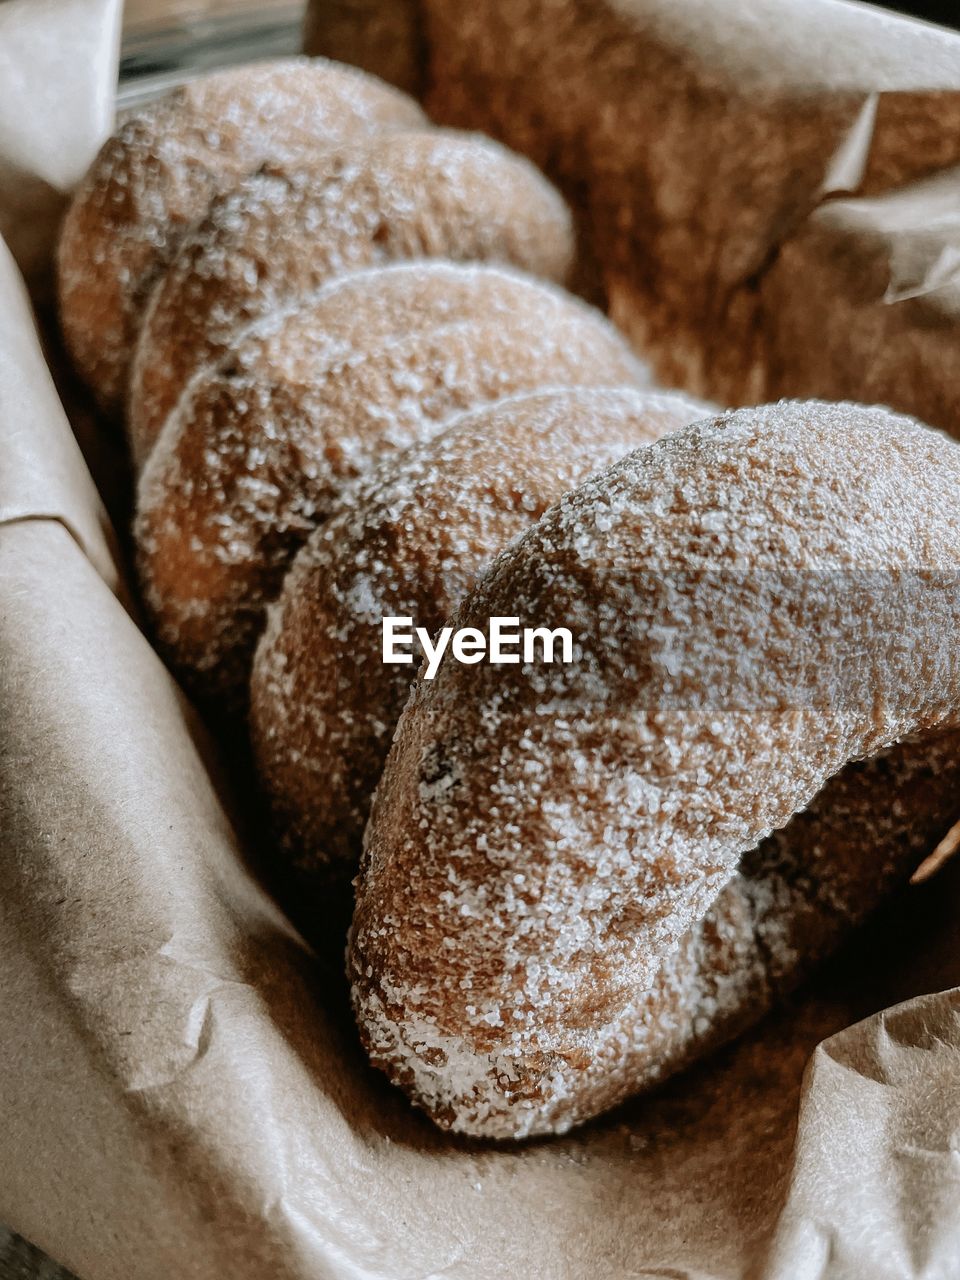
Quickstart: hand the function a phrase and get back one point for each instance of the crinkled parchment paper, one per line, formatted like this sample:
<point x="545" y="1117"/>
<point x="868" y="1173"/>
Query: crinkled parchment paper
<point x="181" y="1089"/>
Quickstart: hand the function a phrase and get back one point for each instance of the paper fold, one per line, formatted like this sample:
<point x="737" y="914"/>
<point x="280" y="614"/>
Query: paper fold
<point x="43" y="476"/>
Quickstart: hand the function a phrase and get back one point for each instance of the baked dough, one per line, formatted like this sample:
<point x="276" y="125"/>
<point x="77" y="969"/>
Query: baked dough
<point x="409" y="541"/>
<point x="159" y="172"/>
<point x="261" y="446"/>
<point x="758" y="601"/>
<point x="284" y="232"/>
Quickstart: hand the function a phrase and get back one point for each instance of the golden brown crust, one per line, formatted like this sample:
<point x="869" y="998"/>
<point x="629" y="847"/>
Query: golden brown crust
<point x="261" y="446"/>
<point x="548" y="843"/>
<point x="159" y="172"/>
<point x="285" y="232"/>
<point x="409" y="541"/>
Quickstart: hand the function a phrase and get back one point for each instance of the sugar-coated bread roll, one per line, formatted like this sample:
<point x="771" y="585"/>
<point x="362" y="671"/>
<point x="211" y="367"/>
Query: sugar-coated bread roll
<point x="756" y="601"/>
<point x="159" y="172"/>
<point x="409" y="541"/>
<point x="261" y="446"/>
<point x="284" y="232"/>
<point x="792" y="900"/>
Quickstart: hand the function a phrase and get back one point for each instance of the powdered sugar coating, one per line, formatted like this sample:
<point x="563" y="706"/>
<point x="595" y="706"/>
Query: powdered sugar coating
<point x="792" y="900"/>
<point x="548" y="843"/>
<point x="285" y="231"/>
<point x="409" y="541"/>
<point x="159" y="172"/>
<point x="260" y="447"/>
